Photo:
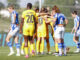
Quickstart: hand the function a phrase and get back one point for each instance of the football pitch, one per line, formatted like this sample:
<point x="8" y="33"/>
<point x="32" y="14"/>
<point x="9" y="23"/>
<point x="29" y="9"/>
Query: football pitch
<point x="70" y="55"/>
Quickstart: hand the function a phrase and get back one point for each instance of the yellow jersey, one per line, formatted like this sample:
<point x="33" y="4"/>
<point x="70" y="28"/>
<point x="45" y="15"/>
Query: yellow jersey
<point x="41" y="22"/>
<point x="29" y="17"/>
<point x="41" y="30"/>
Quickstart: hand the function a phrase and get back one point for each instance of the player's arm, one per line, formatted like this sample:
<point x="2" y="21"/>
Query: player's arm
<point x="22" y="22"/>
<point x="72" y="30"/>
<point x="66" y="22"/>
<point x="21" y="25"/>
<point x="36" y="18"/>
<point x="9" y="28"/>
<point x="53" y="19"/>
<point x="46" y="19"/>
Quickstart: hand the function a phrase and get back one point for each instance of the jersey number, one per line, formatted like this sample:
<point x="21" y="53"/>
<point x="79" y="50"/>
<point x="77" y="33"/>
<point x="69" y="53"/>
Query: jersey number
<point x="61" y="21"/>
<point x="40" y="21"/>
<point x="30" y="18"/>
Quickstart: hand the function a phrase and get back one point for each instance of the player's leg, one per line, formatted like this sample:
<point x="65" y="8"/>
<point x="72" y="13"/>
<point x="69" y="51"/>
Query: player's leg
<point x="56" y="43"/>
<point x="38" y="45"/>
<point x="31" y="39"/>
<point x="26" y="46"/>
<point x="34" y="37"/>
<point x="38" y="41"/>
<point x="76" y="40"/>
<point x="42" y="46"/>
<point x="57" y="35"/>
<point x="56" y="47"/>
<point x="15" y="33"/>
<point x="22" y="48"/>
<point x="61" y="46"/>
<point x="32" y="45"/>
<point x="61" y="41"/>
<point x="47" y="39"/>
<point x="29" y="46"/>
<point x="48" y="45"/>
<point x="17" y="45"/>
<point x="9" y="44"/>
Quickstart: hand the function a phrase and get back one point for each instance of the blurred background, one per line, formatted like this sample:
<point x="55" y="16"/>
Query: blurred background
<point x="66" y="6"/>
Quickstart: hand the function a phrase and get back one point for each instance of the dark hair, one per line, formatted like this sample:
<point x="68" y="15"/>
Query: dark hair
<point x="29" y="5"/>
<point x="11" y="6"/>
<point x="74" y="12"/>
<point x="37" y="9"/>
<point x="57" y="10"/>
<point x="42" y="9"/>
<point x="46" y="10"/>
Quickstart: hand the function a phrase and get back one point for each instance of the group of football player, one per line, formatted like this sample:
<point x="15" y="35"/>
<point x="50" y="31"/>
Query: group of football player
<point x="34" y="25"/>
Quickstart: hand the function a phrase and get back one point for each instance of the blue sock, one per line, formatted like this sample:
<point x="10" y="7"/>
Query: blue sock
<point x="64" y="48"/>
<point x="9" y="44"/>
<point x="60" y="46"/>
<point x="78" y="44"/>
<point x="17" y="45"/>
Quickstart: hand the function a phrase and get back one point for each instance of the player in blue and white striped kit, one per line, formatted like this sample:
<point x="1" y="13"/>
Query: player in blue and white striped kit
<point x="14" y="31"/>
<point x="76" y="30"/>
<point x="60" y="22"/>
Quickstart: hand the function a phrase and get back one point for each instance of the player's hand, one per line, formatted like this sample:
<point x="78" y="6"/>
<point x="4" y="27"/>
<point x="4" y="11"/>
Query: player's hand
<point x="9" y="29"/>
<point x="71" y="32"/>
<point x="75" y="31"/>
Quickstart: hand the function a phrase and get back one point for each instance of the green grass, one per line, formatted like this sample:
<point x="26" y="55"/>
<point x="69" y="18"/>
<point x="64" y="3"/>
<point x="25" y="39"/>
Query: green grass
<point x="70" y="56"/>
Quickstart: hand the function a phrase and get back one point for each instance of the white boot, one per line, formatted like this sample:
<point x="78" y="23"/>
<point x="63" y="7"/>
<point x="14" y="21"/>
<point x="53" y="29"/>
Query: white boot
<point x="22" y="52"/>
<point x="11" y="53"/>
<point x="77" y="51"/>
<point x="18" y="52"/>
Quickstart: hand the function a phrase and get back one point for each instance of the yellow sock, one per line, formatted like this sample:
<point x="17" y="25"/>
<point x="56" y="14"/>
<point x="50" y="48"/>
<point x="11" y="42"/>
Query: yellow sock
<point x="37" y="45"/>
<point x="56" y="47"/>
<point x="32" y="46"/>
<point x="48" y="46"/>
<point x="42" y="46"/>
<point x="22" y="47"/>
<point x="32" y="50"/>
<point x="26" y="50"/>
<point x="29" y="46"/>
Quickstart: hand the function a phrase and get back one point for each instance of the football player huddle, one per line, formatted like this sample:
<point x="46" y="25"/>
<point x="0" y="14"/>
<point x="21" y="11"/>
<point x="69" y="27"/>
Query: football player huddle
<point x="34" y="25"/>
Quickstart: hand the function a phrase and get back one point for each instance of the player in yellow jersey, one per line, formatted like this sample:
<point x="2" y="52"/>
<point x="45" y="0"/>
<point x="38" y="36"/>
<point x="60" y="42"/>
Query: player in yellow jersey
<point x="41" y="32"/>
<point x="47" y="32"/>
<point x="47" y="36"/>
<point x="28" y="24"/>
<point x="52" y="27"/>
<point x="52" y="30"/>
<point x="35" y="36"/>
